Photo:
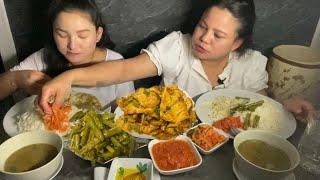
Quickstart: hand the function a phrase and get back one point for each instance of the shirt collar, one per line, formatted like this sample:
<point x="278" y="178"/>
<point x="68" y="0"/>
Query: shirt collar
<point x="224" y="76"/>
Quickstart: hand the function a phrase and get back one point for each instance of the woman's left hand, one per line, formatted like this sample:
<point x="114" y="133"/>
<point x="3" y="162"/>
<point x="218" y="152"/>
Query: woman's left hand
<point x="31" y="81"/>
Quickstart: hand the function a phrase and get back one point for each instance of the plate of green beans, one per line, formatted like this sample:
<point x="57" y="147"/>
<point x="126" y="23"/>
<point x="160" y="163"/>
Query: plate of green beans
<point x="95" y="137"/>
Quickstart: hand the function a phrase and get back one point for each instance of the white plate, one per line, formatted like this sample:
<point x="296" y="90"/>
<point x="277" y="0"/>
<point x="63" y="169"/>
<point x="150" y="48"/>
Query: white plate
<point x="118" y="112"/>
<point x="9" y="120"/>
<point x="217" y="146"/>
<point x="175" y="171"/>
<point x="130" y="163"/>
<point x="93" y="91"/>
<point x="204" y="110"/>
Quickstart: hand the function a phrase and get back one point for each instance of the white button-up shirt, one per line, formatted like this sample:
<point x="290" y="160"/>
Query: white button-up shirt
<point x="175" y="61"/>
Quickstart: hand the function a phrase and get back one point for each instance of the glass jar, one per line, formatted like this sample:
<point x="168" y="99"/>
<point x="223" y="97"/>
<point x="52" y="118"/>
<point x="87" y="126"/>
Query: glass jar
<point x="309" y="144"/>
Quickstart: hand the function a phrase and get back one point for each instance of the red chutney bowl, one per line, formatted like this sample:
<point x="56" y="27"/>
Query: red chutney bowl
<point x="174" y="156"/>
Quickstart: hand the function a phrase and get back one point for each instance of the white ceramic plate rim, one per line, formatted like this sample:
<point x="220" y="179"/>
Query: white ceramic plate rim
<point x="217" y="146"/>
<point x="128" y="162"/>
<point x="203" y="108"/>
<point x="176" y="171"/>
<point x="92" y="91"/>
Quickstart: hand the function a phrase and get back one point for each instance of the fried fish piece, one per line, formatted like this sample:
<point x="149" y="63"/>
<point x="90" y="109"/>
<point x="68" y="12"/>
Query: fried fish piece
<point x="129" y="105"/>
<point x="144" y="101"/>
<point x="173" y="107"/>
<point x="147" y="98"/>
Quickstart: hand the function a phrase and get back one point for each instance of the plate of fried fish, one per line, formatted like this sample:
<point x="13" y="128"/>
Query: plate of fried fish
<point x="156" y="113"/>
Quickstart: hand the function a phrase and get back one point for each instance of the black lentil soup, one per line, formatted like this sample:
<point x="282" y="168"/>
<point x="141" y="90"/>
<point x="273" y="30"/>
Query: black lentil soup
<point x="30" y="157"/>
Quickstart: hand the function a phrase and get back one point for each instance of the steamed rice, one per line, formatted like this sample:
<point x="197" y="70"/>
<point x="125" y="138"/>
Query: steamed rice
<point x="221" y="106"/>
<point x="269" y="116"/>
<point x="29" y="121"/>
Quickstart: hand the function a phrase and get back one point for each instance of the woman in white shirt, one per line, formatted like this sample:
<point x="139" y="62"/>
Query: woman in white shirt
<point x="76" y="38"/>
<point x="216" y="56"/>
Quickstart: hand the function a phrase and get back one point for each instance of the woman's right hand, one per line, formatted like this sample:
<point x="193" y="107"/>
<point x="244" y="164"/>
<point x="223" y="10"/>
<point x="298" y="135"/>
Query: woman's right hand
<point x="54" y="92"/>
<point x="299" y="106"/>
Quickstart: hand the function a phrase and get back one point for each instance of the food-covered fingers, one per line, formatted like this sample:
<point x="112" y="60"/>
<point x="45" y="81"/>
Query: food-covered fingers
<point x="57" y="89"/>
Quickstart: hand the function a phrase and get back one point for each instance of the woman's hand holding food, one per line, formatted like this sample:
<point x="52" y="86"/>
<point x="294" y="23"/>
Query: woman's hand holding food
<point x="54" y="92"/>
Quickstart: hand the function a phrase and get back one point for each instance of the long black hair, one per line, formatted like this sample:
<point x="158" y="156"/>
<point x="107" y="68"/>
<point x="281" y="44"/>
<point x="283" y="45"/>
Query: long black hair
<point x="242" y="10"/>
<point x="55" y="61"/>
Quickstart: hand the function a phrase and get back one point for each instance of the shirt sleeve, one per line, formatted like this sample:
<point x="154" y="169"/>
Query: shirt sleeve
<point x="256" y="78"/>
<point x="166" y="53"/>
<point x="32" y="62"/>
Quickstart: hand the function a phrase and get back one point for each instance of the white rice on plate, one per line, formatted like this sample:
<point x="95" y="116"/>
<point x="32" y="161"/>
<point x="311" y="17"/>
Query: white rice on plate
<point x="269" y="115"/>
<point x="221" y="106"/>
<point x="31" y="121"/>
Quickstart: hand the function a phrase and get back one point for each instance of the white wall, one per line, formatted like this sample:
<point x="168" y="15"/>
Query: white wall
<point x="316" y="37"/>
<point x="7" y="47"/>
